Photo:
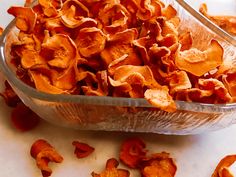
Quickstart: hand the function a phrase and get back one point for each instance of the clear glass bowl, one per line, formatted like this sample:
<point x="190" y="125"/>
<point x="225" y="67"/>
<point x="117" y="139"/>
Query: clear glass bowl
<point x="127" y="114"/>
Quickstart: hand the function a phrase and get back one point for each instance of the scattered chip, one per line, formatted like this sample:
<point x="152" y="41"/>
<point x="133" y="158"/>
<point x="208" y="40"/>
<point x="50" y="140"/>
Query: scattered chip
<point x="44" y="153"/>
<point x="82" y="149"/>
<point x="222" y="168"/>
<point x="132" y="152"/>
<point x="112" y="170"/>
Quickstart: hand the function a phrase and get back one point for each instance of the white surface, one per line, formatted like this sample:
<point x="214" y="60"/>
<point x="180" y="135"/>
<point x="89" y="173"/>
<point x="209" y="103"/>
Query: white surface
<point x="196" y="156"/>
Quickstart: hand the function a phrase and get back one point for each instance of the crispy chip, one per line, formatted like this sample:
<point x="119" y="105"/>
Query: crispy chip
<point x="158" y="165"/>
<point x="227" y="23"/>
<point x="198" y="62"/>
<point x="186" y="40"/>
<point x="82" y="149"/>
<point x="132" y="152"/>
<point x="221" y="169"/>
<point x="111" y="170"/>
<point x="160" y="98"/>
<point x="23" y="118"/>
<point x="63" y="48"/>
<point x="44" y="153"/>
<point x="25" y="18"/>
<point x="50" y="7"/>
<point x="90" y="41"/>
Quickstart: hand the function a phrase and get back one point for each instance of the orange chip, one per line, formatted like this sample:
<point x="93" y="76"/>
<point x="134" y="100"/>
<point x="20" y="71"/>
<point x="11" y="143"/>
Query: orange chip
<point x="42" y="83"/>
<point x="44" y="153"/>
<point x="90" y="41"/>
<point x="132" y="152"/>
<point x="160" y="98"/>
<point x="50" y="7"/>
<point x="63" y="48"/>
<point x="74" y="14"/>
<point x="158" y="165"/>
<point x="179" y="80"/>
<point x="228" y="23"/>
<point x="217" y="87"/>
<point x="82" y="149"/>
<point x="148" y="9"/>
<point x="114" y="17"/>
<point x="25" y="18"/>
<point x="169" y="12"/>
<point x="197" y="62"/>
<point x="111" y="170"/>
<point x="221" y="169"/>
<point x="119" y="45"/>
<point x="186" y="40"/>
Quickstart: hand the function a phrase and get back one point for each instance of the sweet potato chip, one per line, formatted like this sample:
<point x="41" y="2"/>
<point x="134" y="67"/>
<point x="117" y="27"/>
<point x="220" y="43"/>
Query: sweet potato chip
<point x="44" y="153"/>
<point x="114" y="17"/>
<point x="82" y="149"/>
<point x="111" y="170"/>
<point x="148" y="9"/>
<point x="90" y="41"/>
<point x="217" y="88"/>
<point x="63" y="48"/>
<point x="229" y="81"/>
<point x="50" y="7"/>
<point x="25" y="18"/>
<point x="221" y="169"/>
<point x="74" y="14"/>
<point x="197" y="62"/>
<point x="186" y="40"/>
<point x="23" y="118"/>
<point x="158" y="165"/>
<point x="227" y="23"/>
<point x="160" y="98"/>
<point x="179" y="80"/>
<point x="43" y="83"/>
<point x="132" y="152"/>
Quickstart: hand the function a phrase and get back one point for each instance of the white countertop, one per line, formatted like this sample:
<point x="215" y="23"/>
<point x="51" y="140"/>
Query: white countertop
<point x="196" y="156"/>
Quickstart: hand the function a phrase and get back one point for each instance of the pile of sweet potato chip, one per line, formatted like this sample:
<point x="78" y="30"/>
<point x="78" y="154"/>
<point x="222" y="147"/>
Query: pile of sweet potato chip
<point x="120" y="48"/>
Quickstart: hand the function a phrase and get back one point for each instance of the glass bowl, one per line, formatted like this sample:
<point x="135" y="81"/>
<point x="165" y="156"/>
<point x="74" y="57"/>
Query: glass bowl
<point x="127" y="114"/>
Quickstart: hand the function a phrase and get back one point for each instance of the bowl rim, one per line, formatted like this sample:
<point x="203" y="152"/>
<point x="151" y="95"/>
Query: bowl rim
<point x="109" y="100"/>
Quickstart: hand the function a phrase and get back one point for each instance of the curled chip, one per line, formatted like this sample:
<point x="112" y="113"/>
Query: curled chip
<point x="160" y="98"/>
<point x="158" y="165"/>
<point x="23" y="118"/>
<point x="82" y="149"/>
<point x="112" y="170"/>
<point x="25" y="18"/>
<point x="44" y="153"/>
<point x="227" y="23"/>
<point x="50" y="7"/>
<point x="197" y="62"/>
<point x="63" y="50"/>
<point x="90" y="41"/>
<point x="132" y="152"/>
<point x="221" y="169"/>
